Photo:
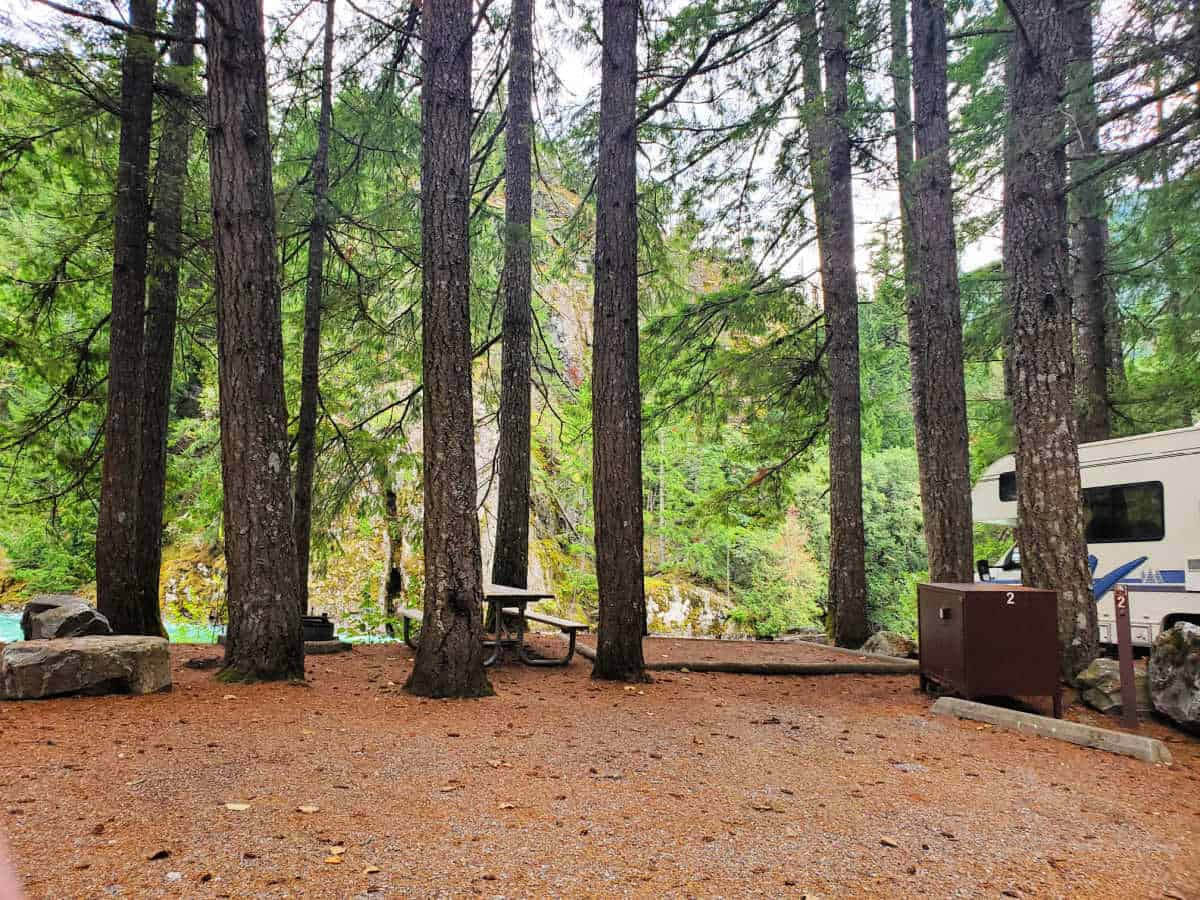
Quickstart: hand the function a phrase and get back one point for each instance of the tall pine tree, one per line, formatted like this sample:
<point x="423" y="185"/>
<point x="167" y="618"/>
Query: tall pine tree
<point x="450" y="659"/>
<point x="934" y="313"/>
<point x="1037" y="293"/>
<point x="158" y="348"/>
<point x="829" y="161"/>
<point x="510" y="563"/>
<point x="118" y="589"/>
<point x="318" y="229"/>
<point x="263" y="639"/>
<point x="616" y="391"/>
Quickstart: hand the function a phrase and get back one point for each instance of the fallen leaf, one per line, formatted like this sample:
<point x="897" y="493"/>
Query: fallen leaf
<point x="158" y="854"/>
<point x="333" y="860"/>
<point x="308" y="808"/>
<point x="337" y="851"/>
<point x="508" y="806"/>
<point x="372" y="870"/>
<point x="447" y="788"/>
<point x="229" y="697"/>
<point x="888" y="842"/>
<point x="237" y="807"/>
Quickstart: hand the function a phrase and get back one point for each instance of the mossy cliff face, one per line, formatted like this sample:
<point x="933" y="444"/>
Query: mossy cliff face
<point x="679" y="607"/>
<point x="192" y="582"/>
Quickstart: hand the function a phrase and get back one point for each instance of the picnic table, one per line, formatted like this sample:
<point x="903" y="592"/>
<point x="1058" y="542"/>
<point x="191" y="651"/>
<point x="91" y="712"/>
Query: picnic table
<point x="509" y="603"/>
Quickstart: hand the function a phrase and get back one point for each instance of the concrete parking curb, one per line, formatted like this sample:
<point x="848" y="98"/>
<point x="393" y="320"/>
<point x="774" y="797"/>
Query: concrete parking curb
<point x="1144" y="748"/>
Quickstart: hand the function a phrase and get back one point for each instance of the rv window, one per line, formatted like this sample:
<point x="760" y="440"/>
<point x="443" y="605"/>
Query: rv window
<point x="1008" y="486"/>
<point x="1124" y="512"/>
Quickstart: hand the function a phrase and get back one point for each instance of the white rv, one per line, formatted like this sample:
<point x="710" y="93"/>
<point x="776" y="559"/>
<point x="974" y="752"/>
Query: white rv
<point x="1142" y="509"/>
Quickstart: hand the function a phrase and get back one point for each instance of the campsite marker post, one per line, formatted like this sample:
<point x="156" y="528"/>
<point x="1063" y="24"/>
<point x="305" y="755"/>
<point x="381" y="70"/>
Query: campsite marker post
<point x="1129" y="716"/>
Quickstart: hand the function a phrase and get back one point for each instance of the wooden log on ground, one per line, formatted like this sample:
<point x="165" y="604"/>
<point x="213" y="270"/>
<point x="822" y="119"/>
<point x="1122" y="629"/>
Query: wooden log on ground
<point x="1138" y="746"/>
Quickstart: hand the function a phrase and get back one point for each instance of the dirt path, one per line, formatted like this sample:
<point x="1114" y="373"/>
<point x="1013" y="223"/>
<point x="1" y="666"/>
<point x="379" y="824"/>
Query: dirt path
<point x="696" y="785"/>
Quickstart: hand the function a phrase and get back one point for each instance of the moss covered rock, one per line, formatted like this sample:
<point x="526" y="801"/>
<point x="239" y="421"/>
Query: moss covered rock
<point x="1174" y="675"/>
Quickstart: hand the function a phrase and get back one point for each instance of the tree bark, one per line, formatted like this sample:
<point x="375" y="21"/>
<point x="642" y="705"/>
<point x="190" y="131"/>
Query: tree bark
<point x="450" y="660"/>
<point x="616" y="391"/>
<point x="510" y="564"/>
<point x="1037" y="292"/>
<point x="264" y="638"/>
<point x="829" y="162"/>
<point x="901" y="74"/>
<point x="306" y="429"/>
<point x="158" y="347"/>
<point x="1089" y="234"/>
<point x="935" y="316"/>
<point x="393" y="559"/>
<point x="118" y="589"/>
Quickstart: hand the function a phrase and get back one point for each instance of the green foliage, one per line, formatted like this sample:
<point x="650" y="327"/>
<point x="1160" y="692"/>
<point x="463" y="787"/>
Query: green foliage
<point x="49" y="555"/>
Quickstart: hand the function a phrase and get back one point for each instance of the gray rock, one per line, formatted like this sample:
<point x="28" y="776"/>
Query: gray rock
<point x="889" y="643"/>
<point x="1100" y="686"/>
<point x="1174" y="675"/>
<point x="50" y="616"/>
<point x="99" y="664"/>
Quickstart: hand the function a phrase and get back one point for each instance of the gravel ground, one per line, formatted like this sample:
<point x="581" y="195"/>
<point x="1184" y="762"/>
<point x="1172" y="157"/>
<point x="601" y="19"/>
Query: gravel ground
<point x="684" y="650"/>
<point x="695" y="785"/>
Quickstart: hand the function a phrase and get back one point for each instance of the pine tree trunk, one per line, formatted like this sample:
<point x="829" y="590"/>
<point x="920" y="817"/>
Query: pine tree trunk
<point x="118" y="589"/>
<point x="829" y="160"/>
<point x="901" y="74"/>
<point x="616" y="392"/>
<point x="935" y="316"/>
<point x="306" y="429"/>
<point x="1037" y="292"/>
<point x="393" y="560"/>
<point x="1089" y="234"/>
<point x="450" y="660"/>
<point x="510" y="564"/>
<point x="264" y="639"/>
<point x="158" y="348"/>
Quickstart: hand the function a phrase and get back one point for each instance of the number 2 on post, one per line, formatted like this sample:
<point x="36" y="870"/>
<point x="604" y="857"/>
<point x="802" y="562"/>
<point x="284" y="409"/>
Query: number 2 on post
<point x="1010" y="599"/>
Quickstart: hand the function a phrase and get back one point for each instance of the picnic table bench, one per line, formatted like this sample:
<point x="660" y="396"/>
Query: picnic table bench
<point x="509" y="602"/>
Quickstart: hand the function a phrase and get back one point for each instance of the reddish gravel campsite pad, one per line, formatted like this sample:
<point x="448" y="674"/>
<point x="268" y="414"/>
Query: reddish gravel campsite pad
<point x="694" y="785"/>
<point x="681" y="651"/>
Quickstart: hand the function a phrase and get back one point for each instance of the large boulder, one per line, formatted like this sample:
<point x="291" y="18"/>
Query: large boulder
<point x="1100" y="686"/>
<point x="1175" y="674"/>
<point x="889" y="643"/>
<point x="50" y="616"/>
<point x="100" y="664"/>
